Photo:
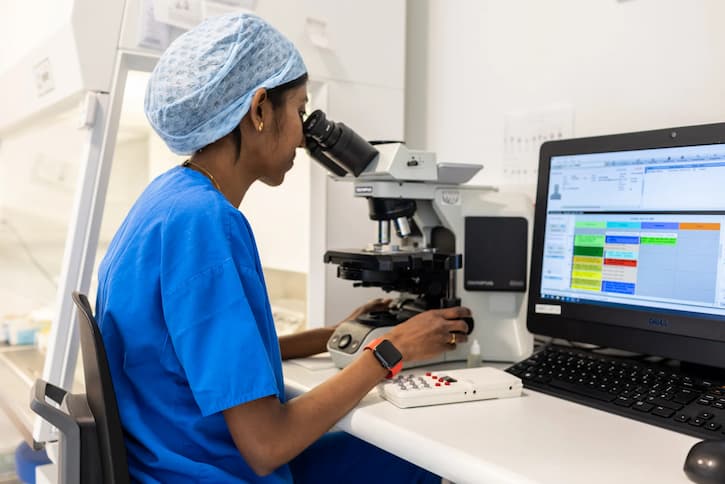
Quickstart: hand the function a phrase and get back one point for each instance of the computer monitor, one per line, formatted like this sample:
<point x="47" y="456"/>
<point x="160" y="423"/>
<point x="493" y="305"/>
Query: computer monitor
<point x="629" y="243"/>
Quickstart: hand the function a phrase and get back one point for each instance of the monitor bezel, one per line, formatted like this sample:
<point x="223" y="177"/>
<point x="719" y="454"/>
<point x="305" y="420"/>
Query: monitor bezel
<point x="686" y="337"/>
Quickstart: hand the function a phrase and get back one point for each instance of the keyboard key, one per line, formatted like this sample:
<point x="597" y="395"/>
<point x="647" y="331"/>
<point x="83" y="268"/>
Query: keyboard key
<point x="697" y="422"/>
<point x="712" y="426"/>
<point x="684" y="396"/>
<point x="681" y="417"/>
<point x="703" y="401"/>
<point x="663" y="412"/>
<point x="571" y="387"/>
<point x="624" y="401"/>
<point x="643" y="406"/>
<point x="663" y="403"/>
<point x="541" y="378"/>
<point x="706" y="416"/>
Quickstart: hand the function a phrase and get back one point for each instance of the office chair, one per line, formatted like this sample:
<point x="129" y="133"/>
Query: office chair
<point x="91" y="447"/>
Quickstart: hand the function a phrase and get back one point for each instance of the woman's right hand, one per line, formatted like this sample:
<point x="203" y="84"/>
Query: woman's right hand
<point x="430" y="333"/>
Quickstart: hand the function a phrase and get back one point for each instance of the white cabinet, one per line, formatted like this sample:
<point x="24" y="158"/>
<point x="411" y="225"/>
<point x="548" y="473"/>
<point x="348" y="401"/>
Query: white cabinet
<point x="354" y="42"/>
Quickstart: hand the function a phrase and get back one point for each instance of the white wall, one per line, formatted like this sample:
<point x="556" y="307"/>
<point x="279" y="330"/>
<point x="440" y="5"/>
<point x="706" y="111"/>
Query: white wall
<point x="355" y="54"/>
<point x="620" y="65"/>
<point x="280" y="217"/>
<point x="25" y="24"/>
<point x="39" y="168"/>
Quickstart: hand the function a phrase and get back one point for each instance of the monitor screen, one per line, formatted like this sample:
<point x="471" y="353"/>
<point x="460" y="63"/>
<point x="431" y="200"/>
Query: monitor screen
<point x="628" y="242"/>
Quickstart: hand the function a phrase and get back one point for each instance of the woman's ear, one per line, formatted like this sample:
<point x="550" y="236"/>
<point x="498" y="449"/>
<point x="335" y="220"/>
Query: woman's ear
<point x="256" y="111"/>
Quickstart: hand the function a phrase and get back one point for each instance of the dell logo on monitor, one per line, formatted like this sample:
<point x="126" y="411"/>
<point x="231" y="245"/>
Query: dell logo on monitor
<point x="662" y="323"/>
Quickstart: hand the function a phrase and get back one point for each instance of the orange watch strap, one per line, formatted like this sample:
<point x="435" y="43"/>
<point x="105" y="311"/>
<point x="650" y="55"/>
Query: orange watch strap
<point x="395" y="370"/>
<point x="392" y="371"/>
<point x="373" y="344"/>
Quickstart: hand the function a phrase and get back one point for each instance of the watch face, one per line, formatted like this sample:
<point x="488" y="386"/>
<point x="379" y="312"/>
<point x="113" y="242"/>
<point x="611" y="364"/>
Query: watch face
<point x="388" y="354"/>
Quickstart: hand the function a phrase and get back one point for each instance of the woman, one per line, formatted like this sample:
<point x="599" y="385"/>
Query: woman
<point x="182" y="303"/>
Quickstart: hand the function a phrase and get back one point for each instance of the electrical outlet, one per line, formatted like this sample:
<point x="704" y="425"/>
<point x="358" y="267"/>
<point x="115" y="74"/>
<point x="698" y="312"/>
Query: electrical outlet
<point x="524" y="133"/>
<point x="52" y="172"/>
<point x="43" y="76"/>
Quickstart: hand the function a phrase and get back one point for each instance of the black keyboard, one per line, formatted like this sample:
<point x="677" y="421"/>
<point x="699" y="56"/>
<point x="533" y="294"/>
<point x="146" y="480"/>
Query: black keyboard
<point x="656" y="394"/>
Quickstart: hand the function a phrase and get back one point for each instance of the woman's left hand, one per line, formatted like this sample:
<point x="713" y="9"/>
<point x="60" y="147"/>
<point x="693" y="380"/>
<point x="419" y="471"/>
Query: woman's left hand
<point x="313" y="341"/>
<point x="378" y="304"/>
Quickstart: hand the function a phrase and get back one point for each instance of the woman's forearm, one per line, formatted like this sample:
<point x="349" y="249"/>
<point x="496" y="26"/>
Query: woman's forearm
<point x="306" y="343"/>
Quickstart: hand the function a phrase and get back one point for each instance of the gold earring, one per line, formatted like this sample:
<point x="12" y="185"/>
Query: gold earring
<point x="261" y="125"/>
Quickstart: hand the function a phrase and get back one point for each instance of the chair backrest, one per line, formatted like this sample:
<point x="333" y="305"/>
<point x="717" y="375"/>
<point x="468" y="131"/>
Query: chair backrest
<point x="101" y="396"/>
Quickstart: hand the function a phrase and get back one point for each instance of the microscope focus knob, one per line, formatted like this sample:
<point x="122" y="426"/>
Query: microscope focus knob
<point x="344" y="341"/>
<point x="469" y="322"/>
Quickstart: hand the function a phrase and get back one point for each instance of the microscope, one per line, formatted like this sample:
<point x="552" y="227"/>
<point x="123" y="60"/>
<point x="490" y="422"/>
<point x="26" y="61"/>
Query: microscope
<point x="454" y="244"/>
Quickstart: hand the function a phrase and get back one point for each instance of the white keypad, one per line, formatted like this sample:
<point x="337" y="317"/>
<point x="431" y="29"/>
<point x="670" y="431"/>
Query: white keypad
<point x="419" y="388"/>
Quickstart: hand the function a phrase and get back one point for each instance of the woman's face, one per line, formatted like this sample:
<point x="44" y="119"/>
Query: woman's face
<point x="283" y="136"/>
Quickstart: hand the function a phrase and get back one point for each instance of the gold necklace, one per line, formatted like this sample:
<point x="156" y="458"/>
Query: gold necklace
<point x="191" y="164"/>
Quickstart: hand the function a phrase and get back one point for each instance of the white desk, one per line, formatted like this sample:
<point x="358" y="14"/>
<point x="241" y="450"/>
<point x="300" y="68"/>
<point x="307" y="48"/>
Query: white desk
<point x="535" y="438"/>
<point x="19" y="367"/>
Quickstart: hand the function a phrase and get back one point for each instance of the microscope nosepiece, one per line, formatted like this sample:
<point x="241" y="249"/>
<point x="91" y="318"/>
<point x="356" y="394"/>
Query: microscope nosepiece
<point x="383" y="232"/>
<point x="402" y="227"/>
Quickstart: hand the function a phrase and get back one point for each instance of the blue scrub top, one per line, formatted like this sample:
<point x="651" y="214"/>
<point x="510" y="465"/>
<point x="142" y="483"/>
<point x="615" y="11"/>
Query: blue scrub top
<point x="188" y="329"/>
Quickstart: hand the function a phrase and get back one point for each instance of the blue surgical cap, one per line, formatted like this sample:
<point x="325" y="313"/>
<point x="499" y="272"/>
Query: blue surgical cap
<point x="203" y="84"/>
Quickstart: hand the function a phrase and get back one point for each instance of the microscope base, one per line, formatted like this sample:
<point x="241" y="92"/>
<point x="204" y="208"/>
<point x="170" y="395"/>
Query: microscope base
<point x="350" y="339"/>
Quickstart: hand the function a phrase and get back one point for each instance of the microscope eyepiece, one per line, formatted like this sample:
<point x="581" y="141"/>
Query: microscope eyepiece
<point x="318" y="127"/>
<point x="336" y="146"/>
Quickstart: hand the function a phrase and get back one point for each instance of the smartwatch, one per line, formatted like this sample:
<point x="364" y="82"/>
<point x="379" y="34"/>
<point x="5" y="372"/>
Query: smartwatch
<point x="388" y="355"/>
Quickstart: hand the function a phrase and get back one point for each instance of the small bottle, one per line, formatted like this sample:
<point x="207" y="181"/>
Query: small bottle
<point x="474" y="356"/>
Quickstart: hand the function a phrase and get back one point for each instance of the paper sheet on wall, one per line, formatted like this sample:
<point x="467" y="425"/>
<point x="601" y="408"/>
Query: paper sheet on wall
<point x="184" y="14"/>
<point x="152" y="33"/>
<point x="524" y="133"/>
<point x="316" y="30"/>
<point x="212" y="8"/>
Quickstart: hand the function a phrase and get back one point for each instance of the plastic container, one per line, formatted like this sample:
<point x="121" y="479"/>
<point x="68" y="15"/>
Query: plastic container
<point x="474" y="355"/>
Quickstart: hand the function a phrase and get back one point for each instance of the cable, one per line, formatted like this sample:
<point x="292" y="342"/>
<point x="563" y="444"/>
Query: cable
<point x="586" y="346"/>
<point x="542" y="343"/>
<point x="571" y="344"/>
<point x="43" y="271"/>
